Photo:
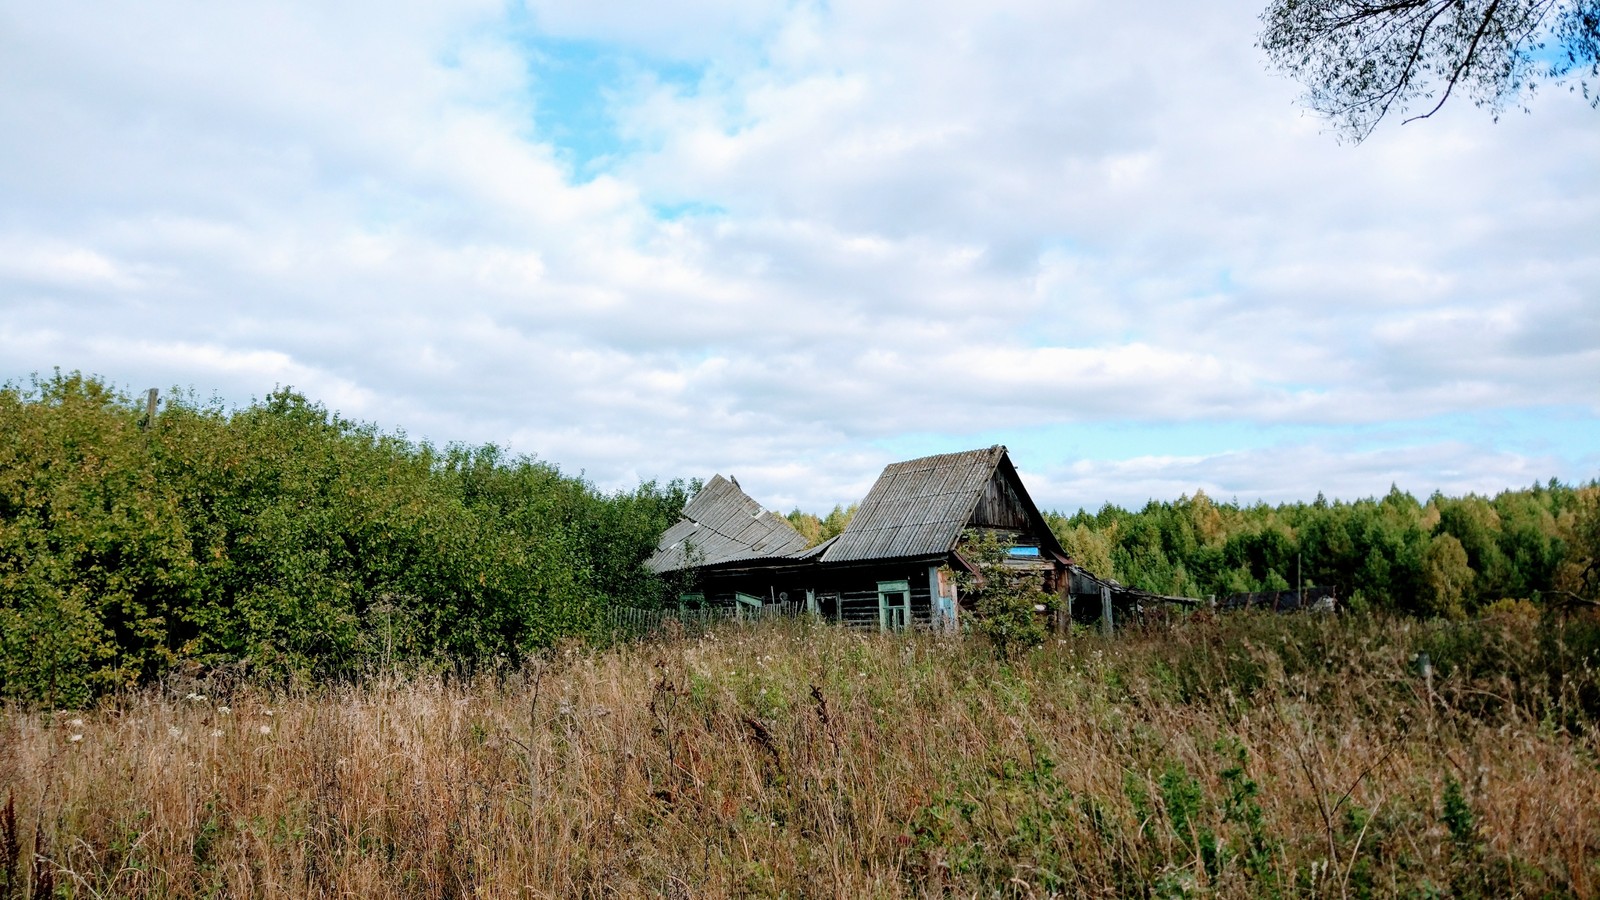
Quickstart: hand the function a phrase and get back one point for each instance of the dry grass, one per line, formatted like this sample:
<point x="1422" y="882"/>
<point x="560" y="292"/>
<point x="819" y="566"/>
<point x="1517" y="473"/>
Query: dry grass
<point x="1266" y="757"/>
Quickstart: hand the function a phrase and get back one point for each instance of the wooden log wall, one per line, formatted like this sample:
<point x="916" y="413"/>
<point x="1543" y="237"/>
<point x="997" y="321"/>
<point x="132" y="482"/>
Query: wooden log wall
<point x="858" y="596"/>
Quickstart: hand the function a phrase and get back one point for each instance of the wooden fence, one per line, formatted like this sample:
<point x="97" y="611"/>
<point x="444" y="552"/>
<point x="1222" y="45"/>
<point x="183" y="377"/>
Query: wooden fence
<point x="627" y="623"/>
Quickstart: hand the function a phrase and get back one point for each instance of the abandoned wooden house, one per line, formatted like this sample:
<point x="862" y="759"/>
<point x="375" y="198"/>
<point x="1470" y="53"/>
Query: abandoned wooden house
<point x="892" y="567"/>
<point x="725" y="550"/>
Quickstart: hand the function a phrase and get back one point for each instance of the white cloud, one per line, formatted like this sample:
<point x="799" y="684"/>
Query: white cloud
<point x="1281" y="473"/>
<point x="47" y="264"/>
<point x="895" y="218"/>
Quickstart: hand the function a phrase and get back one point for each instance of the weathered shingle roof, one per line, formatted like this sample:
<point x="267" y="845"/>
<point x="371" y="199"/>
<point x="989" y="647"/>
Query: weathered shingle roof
<point x="722" y="524"/>
<point x="918" y="507"/>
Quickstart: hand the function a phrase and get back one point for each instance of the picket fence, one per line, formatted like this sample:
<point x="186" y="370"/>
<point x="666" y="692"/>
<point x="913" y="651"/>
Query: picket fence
<point x="626" y="622"/>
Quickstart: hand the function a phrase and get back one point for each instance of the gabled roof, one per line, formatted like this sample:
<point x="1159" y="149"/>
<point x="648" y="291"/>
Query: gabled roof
<point x="722" y="524"/>
<point x="920" y="507"/>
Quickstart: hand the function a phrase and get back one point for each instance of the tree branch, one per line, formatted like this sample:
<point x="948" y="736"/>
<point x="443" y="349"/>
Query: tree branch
<point x="1472" y="50"/>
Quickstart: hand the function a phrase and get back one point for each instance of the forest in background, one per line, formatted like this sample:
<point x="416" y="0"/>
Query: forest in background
<point x="1447" y="557"/>
<point x="284" y="540"/>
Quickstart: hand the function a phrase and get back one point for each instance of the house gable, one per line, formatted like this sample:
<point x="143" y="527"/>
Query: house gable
<point x="1005" y="506"/>
<point x="921" y="507"/>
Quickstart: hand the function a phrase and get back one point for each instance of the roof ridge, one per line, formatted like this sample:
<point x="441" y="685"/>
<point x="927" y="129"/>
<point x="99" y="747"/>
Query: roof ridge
<point x="918" y="506"/>
<point x="995" y="449"/>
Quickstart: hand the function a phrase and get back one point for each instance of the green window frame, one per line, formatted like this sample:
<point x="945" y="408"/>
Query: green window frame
<point x="894" y="605"/>
<point x="748" y="606"/>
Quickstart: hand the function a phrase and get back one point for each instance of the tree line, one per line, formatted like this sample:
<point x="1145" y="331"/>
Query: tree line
<point x="817" y="529"/>
<point x="1446" y="556"/>
<point x="284" y="539"/>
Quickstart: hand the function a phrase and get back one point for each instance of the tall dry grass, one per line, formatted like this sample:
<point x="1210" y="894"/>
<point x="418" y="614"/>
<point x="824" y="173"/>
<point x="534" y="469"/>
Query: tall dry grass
<point x="1244" y="757"/>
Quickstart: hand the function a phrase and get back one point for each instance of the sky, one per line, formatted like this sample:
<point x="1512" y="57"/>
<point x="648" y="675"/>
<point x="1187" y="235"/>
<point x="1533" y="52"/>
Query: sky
<point x="796" y="241"/>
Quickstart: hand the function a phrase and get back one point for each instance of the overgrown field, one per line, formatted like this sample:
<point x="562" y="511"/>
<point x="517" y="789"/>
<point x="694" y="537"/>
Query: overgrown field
<point x="1248" y="756"/>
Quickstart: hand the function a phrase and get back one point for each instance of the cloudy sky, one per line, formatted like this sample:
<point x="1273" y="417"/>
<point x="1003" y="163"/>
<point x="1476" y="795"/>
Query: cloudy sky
<point x="795" y="241"/>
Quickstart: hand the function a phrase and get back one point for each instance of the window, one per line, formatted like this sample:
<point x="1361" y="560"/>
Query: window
<point x="894" y="605"/>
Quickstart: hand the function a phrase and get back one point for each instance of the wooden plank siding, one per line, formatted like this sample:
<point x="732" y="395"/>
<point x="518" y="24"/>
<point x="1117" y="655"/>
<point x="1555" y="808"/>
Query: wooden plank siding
<point x="1000" y="508"/>
<point x="856" y="590"/>
<point x="855" y="600"/>
<point x="859" y="608"/>
<point x="719" y="592"/>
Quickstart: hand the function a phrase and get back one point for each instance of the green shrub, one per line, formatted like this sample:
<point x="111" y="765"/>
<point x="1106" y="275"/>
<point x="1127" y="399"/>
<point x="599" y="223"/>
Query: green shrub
<point x="286" y="539"/>
<point x="1011" y="610"/>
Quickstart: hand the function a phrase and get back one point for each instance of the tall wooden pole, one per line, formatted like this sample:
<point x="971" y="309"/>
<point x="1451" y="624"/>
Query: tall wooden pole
<point x="1105" y="609"/>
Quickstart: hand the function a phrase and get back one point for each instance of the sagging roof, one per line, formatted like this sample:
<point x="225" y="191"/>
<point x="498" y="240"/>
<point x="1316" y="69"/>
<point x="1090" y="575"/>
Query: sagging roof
<point x="1086" y="582"/>
<point x="722" y="524"/>
<point x="919" y="508"/>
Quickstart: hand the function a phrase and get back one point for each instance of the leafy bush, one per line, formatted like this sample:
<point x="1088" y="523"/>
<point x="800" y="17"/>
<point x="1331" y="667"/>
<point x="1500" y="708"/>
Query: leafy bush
<point x="1011" y="608"/>
<point x="286" y="539"/>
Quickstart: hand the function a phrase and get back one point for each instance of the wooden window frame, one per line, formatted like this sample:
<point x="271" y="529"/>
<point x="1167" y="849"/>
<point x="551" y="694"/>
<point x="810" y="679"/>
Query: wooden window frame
<point x="888" y="612"/>
<point x="747" y="605"/>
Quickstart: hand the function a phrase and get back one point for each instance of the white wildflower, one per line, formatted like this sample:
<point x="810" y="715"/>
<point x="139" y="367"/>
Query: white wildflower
<point x="224" y="710"/>
<point x="75" y="738"/>
<point x="265" y="729"/>
<point x="216" y="732"/>
<point x="196" y="697"/>
<point x="174" y="730"/>
<point x="76" y="723"/>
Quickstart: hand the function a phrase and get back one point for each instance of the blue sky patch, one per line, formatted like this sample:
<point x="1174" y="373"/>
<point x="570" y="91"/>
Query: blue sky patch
<point x="576" y="85"/>
<point x="672" y="212"/>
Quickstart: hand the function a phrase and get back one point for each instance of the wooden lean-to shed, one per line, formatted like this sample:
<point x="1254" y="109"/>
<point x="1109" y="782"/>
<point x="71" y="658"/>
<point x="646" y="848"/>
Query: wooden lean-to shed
<point x="728" y="551"/>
